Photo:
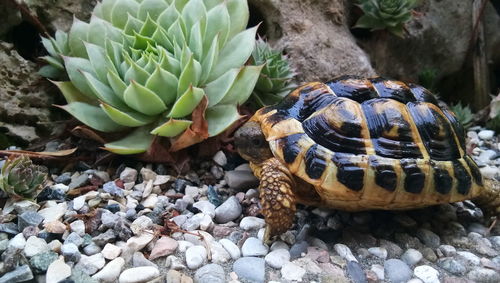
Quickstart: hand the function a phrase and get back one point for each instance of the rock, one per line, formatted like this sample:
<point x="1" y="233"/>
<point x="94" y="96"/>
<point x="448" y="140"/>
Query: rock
<point x="41" y="261"/>
<point x="29" y="218"/>
<point x="426" y="273"/>
<point x="228" y="211"/>
<point x="140" y="224"/>
<point x="252" y="223"/>
<point x="78" y="227"/>
<point x="210" y="273"/>
<point x="57" y="271"/>
<point x="183" y="246"/>
<point x="139" y="274"/>
<point x="111" y="251"/>
<point x="484" y="275"/>
<point x="452" y="266"/>
<point x="206" y="207"/>
<point x="277" y="258"/>
<point x="355" y="272"/>
<point x="195" y="256"/>
<point x="231" y="248"/>
<point x="79" y="276"/>
<point x="137" y="243"/>
<point x="79" y="181"/>
<point x="174" y="276"/>
<point x="138" y="260"/>
<point x="20" y="274"/>
<point x="378" y="270"/>
<point x="148" y="174"/>
<point x="35" y="246"/>
<point x="78" y="202"/>
<point x="397" y="271"/>
<point x="91" y="264"/>
<point x="240" y="180"/>
<point x="250" y="268"/>
<point x="163" y="247"/>
<point x="70" y="252"/>
<point x="254" y="247"/>
<point x="486" y="134"/>
<point x="429" y="238"/>
<point x="92" y="249"/>
<point x="219" y="253"/>
<point x="193" y="223"/>
<point x="53" y="212"/>
<point x="113" y="189"/>
<point x="378" y="252"/>
<point x="10" y="228"/>
<point x="220" y="158"/>
<point x="111" y="271"/>
<point x="128" y="175"/>
<point x="468" y="258"/>
<point x="298" y="249"/>
<point x="104" y="238"/>
<point x="318" y="254"/>
<point x="74" y="238"/>
<point x="292" y="272"/>
<point x="448" y="250"/>
<point x="412" y="257"/>
<point x="55" y="246"/>
<point x="175" y="263"/>
<point x="344" y="252"/>
<point x="17" y="242"/>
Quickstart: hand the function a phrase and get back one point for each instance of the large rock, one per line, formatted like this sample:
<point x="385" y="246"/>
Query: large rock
<point x="24" y="111"/>
<point x="59" y="14"/>
<point x="315" y="35"/>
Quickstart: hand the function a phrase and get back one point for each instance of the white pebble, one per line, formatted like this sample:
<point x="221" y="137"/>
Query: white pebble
<point x="277" y="258"/>
<point x="427" y="274"/>
<point x="292" y="272"/>
<point x="57" y="271"/>
<point x="111" y="271"/>
<point x="196" y="256"/>
<point x="486" y="134"/>
<point x="344" y="252"/>
<point x="139" y="274"/>
<point x="231" y="248"/>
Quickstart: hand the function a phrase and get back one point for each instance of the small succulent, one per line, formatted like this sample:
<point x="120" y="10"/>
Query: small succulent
<point x="385" y="14"/>
<point x="274" y="80"/>
<point x="428" y="78"/>
<point x="148" y="64"/>
<point x="20" y="178"/>
<point x="464" y="114"/>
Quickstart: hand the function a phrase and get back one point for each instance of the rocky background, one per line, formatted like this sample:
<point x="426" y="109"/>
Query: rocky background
<point x="61" y="237"/>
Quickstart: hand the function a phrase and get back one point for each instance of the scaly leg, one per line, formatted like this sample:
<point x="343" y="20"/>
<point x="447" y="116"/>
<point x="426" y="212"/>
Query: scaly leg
<point x="276" y="197"/>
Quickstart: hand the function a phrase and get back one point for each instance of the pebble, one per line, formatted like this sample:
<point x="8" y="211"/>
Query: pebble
<point x="452" y="266"/>
<point x="228" y="211"/>
<point x="298" y="249"/>
<point x="91" y="264"/>
<point x="74" y="238"/>
<point x="206" y="207"/>
<point x="113" y="189"/>
<point x="429" y="238"/>
<point x="254" y="247"/>
<point x="34" y="246"/>
<point x="53" y="212"/>
<point x="29" y="218"/>
<point x="140" y="224"/>
<point x="397" y="271"/>
<point x="486" y="134"/>
<point x="489" y="171"/>
<point x="468" y="258"/>
<point x="138" y="259"/>
<point x="231" y="248"/>
<point x="163" y="247"/>
<point x="277" y="258"/>
<point x="17" y="242"/>
<point x="250" y="268"/>
<point x="291" y="271"/>
<point x="426" y="273"/>
<point x="139" y="274"/>
<point x="128" y="175"/>
<point x="344" y="252"/>
<point x="20" y="274"/>
<point x="137" y="243"/>
<point x="210" y="273"/>
<point x="219" y="253"/>
<point x="41" y="261"/>
<point x="111" y="271"/>
<point x="111" y="251"/>
<point x="241" y="179"/>
<point x="252" y="223"/>
<point x="355" y="272"/>
<point x="70" y="252"/>
<point x="57" y="271"/>
<point x="183" y="246"/>
<point x="448" y="250"/>
<point x="484" y="275"/>
<point x="78" y="227"/>
<point x="378" y="252"/>
<point x="195" y="256"/>
<point x="378" y="270"/>
<point x="412" y="257"/>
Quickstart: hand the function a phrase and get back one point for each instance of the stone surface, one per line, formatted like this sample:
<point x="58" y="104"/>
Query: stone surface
<point x="344" y="252"/>
<point x="20" y="274"/>
<point x="484" y="275"/>
<point x="426" y="273"/>
<point x="254" y="247"/>
<point x="228" y="210"/>
<point x="277" y="258"/>
<point x="34" y="246"/>
<point x="139" y="274"/>
<point x="91" y="264"/>
<point x="111" y="251"/>
<point x="163" y="247"/>
<point x="397" y="271"/>
<point x="250" y="268"/>
<point x="111" y="271"/>
<point x="41" y="261"/>
<point x="195" y="256"/>
<point x="57" y="271"/>
<point x="210" y="273"/>
<point x="231" y="248"/>
<point x="412" y="257"/>
<point x="291" y="271"/>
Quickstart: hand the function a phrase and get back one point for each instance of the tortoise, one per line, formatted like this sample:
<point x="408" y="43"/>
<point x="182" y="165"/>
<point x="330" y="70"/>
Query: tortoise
<point x="359" y="144"/>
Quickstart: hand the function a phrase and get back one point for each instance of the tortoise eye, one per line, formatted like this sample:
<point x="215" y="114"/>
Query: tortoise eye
<point x="257" y="142"/>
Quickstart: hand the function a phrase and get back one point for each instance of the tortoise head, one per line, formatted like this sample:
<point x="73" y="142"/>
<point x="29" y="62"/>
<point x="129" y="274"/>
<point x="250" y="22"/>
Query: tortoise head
<point x="251" y="143"/>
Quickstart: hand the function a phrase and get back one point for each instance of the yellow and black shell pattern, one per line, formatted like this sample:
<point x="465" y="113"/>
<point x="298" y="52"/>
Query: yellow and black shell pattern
<point x="370" y="144"/>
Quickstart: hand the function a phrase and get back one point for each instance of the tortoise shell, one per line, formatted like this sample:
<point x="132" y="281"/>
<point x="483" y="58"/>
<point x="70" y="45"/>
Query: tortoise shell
<point x="358" y="143"/>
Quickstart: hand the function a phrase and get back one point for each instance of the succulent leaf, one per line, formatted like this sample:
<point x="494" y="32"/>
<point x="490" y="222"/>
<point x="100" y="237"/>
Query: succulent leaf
<point x="20" y="178"/>
<point x="138" y="62"/>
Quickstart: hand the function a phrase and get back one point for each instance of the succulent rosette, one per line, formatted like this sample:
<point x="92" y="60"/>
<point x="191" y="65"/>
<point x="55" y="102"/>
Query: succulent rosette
<point x="386" y="14"/>
<point x="274" y="80"/>
<point x="147" y="65"/>
<point x="20" y="178"/>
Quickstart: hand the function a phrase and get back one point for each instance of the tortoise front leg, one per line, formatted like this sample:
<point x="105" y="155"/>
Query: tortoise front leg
<point x="276" y="197"/>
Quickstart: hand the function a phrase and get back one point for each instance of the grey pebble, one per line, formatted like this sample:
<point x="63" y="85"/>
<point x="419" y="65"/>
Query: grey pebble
<point x="452" y="266"/>
<point x="429" y="238"/>
<point x="397" y="271"/>
<point x="254" y="247"/>
<point x="484" y="275"/>
<point x="250" y="268"/>
<point x="41" y="261"/>
<point x="355" y="272"/>
<point x="412" y="257"/>
<point x="228" y="210"/>
<point x="70" y="252"/>
<point x="79" y="181"/>
<point x="210" y="273"/>
<point x="20" y="274"/>
<point x="29" y="218"/>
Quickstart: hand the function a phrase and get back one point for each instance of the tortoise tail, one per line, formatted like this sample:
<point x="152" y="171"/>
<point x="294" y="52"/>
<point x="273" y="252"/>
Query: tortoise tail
<point x="489" y="199"/>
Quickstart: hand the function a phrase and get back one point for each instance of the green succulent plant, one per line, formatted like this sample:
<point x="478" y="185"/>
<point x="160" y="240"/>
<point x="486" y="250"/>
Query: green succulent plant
<point x="274" y="80"/>
<point x="464" y="114"/>
<point x="147" y="64"/>
<point x="385" y="14"/>
<point x="20" y="178"/>
<point x="428" y="78"/>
